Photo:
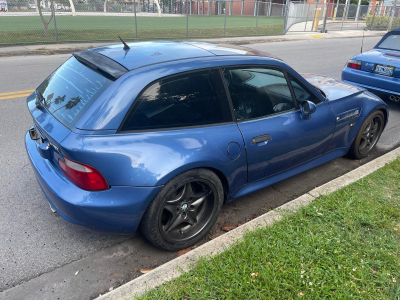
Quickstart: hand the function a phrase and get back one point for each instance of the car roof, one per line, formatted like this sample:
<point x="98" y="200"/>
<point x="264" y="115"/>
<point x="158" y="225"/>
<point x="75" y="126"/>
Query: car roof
<point x="142" y="54"/>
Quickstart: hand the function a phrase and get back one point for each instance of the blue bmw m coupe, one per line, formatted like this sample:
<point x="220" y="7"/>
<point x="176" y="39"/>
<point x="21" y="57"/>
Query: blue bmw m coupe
<point x="159" y="135"/>
<point x="378" y="69"/>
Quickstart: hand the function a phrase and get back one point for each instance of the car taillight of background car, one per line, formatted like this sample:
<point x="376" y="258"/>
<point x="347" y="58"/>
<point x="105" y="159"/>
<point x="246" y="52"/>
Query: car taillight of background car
<point x="354" y="64"/>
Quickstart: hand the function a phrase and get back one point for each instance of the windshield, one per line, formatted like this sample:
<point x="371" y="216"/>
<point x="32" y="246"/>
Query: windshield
<point x="70" y="91"/>
<point x="391" y="42"/>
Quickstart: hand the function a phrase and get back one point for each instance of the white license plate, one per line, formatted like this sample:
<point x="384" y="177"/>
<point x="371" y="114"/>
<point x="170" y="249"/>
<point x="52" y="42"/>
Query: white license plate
<point x="384" y="70"/>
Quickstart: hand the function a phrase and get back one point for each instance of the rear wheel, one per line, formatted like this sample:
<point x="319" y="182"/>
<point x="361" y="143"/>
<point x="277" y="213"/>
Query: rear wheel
<point x="368" y="136"/>
<point x="184" y="210"/>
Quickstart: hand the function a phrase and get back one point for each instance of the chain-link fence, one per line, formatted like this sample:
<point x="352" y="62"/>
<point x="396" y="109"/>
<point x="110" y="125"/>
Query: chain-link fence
<point x="304" y="16"/>
<point x="57" y="21"/>
<point x="99" y="20"/>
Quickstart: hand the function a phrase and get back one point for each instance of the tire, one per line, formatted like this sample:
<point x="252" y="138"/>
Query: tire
<point x="368" y="136"/>
<point x="185" y="209"/>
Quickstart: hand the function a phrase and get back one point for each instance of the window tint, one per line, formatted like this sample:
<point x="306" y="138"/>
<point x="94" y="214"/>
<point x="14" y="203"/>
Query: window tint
<point x="258" y="92"/>
<point x="71" y="90"/>
<point x="184" y="100"/>
<point x="301" y="92"/>
<point x="391" y="42"/>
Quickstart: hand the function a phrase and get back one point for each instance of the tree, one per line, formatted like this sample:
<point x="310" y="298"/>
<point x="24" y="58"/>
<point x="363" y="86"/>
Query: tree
<point x="71" y="4"/>
<point x="45" y="23"/>
<point x="158" y="7"/>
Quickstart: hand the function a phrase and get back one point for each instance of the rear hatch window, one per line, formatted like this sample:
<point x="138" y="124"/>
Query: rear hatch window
<point x="70" y="91"/>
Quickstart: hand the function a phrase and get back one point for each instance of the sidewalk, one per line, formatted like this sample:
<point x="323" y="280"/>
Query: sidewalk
<point x="50" y="49"/>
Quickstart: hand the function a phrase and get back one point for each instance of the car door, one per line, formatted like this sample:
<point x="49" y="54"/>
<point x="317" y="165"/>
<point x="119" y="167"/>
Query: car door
<point x="276" y="135"/>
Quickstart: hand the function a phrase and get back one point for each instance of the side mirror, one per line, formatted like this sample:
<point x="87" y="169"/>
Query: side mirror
<point x="307" y="108"/>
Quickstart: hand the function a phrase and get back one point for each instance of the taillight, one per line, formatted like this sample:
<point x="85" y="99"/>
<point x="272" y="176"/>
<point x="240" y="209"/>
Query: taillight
<point x="83" y="176"/>
<point x="354" y="64"/>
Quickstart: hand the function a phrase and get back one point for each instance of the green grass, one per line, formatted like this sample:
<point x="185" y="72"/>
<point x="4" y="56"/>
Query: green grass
<point x="342" y="246"/>
<point x="29" y="29"/>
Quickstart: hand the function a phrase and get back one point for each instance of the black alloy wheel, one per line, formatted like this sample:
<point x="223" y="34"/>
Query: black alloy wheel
<point x="188" y="211"/>
<point x="368" y="136"/>
<point x="184" y="210"/>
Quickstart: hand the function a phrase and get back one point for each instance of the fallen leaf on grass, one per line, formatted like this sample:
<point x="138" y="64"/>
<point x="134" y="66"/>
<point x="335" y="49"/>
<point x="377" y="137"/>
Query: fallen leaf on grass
<point x="144" y="271"/>
<point x="226" y="290"/>
<point x="183" y="251"/>
<point x="373" y="271"/>
<point x="300" y="294"/>
<point x="254" y="274"/>
<point x="228" y="228"/>
<point x="269" y="262"/>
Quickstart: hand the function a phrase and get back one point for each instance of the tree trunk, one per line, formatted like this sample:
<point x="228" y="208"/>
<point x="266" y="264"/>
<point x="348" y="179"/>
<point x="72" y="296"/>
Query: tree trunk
<point x="158" y="7"/>
<point x="45" y="23"/>
<point x="105" y="5"/>
<point x="71" y="4"/>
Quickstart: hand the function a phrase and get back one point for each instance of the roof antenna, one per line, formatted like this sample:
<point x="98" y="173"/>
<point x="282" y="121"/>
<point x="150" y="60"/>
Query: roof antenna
<point x="362" y="42"/>
<point x="126" y="47"/>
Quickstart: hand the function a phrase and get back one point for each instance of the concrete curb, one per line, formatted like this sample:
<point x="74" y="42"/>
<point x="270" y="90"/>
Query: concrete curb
<point x="177" y="266"/>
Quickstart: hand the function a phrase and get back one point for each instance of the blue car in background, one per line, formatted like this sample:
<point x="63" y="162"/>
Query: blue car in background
<point x="378" y="69"/>
<point x="159" y="135"/>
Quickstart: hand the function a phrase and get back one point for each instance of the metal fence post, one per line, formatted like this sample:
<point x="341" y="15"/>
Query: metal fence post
<point x="308" y="10"/>
<point x="285" y="11"/>
<point x="54" y="20"/>
<point x="258" y="12"/>
<point x="134" y="10"/>
<point x="269" y="8"/>
<point x="187" y="19"/>
<point x="226" y="9"/>
<point x="326" y="15"/>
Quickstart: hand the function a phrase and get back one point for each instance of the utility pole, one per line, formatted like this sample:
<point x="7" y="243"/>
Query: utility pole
<point x="392" y="16"/>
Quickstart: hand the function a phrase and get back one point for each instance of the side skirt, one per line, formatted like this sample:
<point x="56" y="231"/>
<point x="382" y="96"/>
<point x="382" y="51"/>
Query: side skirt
<point x="254" y="186"/>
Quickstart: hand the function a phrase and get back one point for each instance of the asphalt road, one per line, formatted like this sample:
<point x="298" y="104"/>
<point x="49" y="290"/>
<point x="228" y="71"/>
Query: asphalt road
<point x="40" y="252"/>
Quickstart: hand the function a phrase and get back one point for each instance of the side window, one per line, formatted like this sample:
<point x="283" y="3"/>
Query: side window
<point x="302" y="92"/>
<point x="184" y="100"/>
<point x="258" y="92"/>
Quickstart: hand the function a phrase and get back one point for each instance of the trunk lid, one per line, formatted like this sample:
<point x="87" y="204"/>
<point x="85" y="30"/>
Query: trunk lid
<point x="51" y="131"/>
<point x="332" y="88"/>
<point x="380" y="56"/>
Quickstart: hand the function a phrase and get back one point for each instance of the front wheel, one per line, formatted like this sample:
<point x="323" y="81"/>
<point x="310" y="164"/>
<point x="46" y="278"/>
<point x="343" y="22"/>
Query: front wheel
<point x="368" y="136"/>
<point x="184" y="210"/>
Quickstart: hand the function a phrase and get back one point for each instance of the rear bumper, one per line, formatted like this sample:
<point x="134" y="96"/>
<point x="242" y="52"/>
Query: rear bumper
<point x="372" y="81"/>
<point x="117" y="210"/>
